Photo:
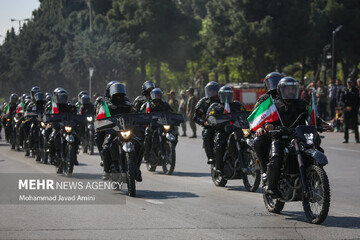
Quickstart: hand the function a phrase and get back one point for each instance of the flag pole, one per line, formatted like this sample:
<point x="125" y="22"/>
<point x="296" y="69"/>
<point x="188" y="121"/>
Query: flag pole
<point x="276" y="110"/>
<point x="313" y="99"/>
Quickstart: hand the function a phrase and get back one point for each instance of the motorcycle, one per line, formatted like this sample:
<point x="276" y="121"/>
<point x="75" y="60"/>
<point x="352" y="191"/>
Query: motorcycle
<point x="66" y="140"/>
<point x="88" y="141"/>
<point x="302" y="174"/>
<point x="123" y="168"/>
<point x="239" y="159"/>
<point x="164" y="140"/>
<point x="18" y="132"/>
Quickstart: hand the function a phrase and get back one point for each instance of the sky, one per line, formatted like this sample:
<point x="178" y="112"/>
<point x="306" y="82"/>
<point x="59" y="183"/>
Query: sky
<point x="15" y="9"/>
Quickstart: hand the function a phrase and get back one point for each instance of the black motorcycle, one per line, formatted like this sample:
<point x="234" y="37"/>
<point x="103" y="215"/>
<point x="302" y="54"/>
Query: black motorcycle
<point x="88" y="141"/>
<point x="123" y="168"/>
<point x="18" y="132"/>
<point x="66" y="140"/>
<point x="45" y="150"/>
<point x="239" y="158"/>
<point x="302" y="177"/>
<point x="164" y="140"/>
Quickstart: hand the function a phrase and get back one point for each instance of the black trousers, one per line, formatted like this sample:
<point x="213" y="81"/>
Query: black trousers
<point x="351" y="118"/>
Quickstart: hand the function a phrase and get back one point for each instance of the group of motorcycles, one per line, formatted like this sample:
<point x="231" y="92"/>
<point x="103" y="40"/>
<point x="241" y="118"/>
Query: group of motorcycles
<point x="302" y="177"/>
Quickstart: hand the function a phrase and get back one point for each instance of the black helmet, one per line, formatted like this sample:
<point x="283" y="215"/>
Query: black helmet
<point x="288" y="88"/>
<point x="271" y="81"/>
<point x="48" y="96"/>
<point x="39" y="97"/>
<point x="82" y="93"/>
<point x="226" y="93"/>
<point x="98" y="100"/>
<point x="84" y="99"/>
<point x="34" y="90"/>
<point x="60" y="96"/>
<point x="14" y="98"/>
<point x="25" y="95"/>
<point x="156" y="94"/>
<point x="147" y="87"/>
<point x="107" y="90"/>
<point x="212" y="89"/>
<point x="117" y="88"/>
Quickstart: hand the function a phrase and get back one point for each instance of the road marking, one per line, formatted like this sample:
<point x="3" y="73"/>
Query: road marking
<point x="342" y="149"/>
<point x="154" y="202"/>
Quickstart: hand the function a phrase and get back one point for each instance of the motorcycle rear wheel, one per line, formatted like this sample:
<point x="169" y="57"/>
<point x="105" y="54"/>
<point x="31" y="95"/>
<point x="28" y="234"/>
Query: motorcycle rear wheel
<point x="273" y="205"/>
<point x="218" y="180"/>
<point x="316" y="207"/>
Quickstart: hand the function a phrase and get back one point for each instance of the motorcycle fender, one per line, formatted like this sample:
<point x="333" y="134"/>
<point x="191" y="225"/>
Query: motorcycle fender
<point x="128" y="147"/>
<point x="70" y="138"/>
<point x="170" y="137"/>
<point x="91" y="127"/>
<point x="43" y="132"/>
<point x="317" y="155"/>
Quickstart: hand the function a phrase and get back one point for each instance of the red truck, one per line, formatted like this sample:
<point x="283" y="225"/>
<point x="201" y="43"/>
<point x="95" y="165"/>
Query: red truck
<point x="248" y="93"/>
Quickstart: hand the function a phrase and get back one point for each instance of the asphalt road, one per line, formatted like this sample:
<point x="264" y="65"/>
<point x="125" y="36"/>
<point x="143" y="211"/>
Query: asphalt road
<point x="185" y="205"/>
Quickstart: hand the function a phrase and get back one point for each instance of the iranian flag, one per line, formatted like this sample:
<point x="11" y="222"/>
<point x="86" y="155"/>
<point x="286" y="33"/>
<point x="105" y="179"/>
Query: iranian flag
<point x="20" y="107"/>
<point x="147" y="109"/>
<point x="103" y="111"/>
<point x="53" y="107"/>
<point x="266" y="112"/>
<point x="312" y="112"/>
<point x="227" y="106"/>
<point x="7" y="109"/>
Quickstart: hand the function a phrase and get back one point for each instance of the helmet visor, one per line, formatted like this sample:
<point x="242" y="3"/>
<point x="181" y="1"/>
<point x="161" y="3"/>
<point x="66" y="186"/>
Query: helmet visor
<point x="226" y="95"/>
<point x="39" y="97"/>
<point x="156" y="94"/>
<point x="61" y="98"/>
<point x="272" y="82"/>
<point x="85" y="99"/>
<point x="212" y="90"/>
<point x="148" y="86"/>
<point x="289" y="90"/>
<point x="117" y="88"/>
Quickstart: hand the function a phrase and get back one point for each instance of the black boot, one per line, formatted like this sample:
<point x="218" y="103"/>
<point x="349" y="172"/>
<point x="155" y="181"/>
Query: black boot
<point x="273" y="175"/>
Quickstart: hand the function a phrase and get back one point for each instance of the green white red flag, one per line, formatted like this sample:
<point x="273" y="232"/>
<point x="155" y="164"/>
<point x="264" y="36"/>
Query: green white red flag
<point x="20" y="107"/>
<point x="103" y="111"/>
<point x="227" y="106"/>
<point x="7" y="109"/>
<point x="53" y="107"/>
<point x="312" y="112"/>
<point x="266" y="112"/>
<point x="147" y="109"/>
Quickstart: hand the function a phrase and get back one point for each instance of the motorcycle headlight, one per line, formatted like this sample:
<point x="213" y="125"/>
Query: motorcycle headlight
<point x="68" y="129"/>
<point x="89" y="119"/>
<point x="125" y="134"/>
<point x="167" y="128"/>
<point x="309" y="137"/>
<point x="8" y="119"/>
<point x="246" y="132"/>
<point x="14" y="120"/>
<point x="43" y="125"/>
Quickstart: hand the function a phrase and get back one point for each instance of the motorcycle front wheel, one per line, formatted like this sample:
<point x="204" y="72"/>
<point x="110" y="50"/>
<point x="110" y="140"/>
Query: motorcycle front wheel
<point x="272" y="205"/>
<point x="131" y="174"/>
<point x="251" y="178"/>
<point x="91" y="143"/>
<point x="170" y="158"/>
<point x="317" y="204"/>
<point x="68" y="164"/>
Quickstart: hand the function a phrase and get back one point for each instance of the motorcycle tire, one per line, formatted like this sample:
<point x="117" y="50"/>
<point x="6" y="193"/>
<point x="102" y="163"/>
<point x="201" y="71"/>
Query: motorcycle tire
<point x="272" y="205"/>
<point x="68" y="163"/>
<point x="316" y="206"/>
<point x="252" y="178"/>
<point x="218" y="180"/>
<point x="170" y="158"/>
<point x="131" y="174"/>
<point x="91" y="143"/>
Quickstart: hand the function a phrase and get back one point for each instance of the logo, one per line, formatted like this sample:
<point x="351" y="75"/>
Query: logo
<point x="263" y="116"/>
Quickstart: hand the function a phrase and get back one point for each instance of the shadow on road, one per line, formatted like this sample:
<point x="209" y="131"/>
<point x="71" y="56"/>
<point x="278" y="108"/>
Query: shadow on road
<point x="191" y="174"/>
<point x="86" y="176"/>
<point x="330" y="221"/>
<point x="242" y="189"/>
<point x="163" y="194"/>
